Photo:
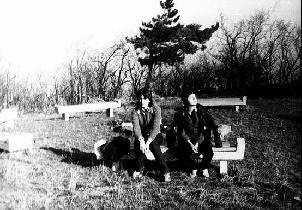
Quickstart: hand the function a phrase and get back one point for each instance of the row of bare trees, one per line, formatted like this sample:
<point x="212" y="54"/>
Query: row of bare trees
<point x="246" y="54"/>
<point x="256" y="51"/>
<point x="24" y="94"/>
<point x="100" y="75"/>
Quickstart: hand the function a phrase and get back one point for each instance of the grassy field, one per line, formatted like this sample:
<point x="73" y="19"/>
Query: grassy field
<point x="61" y="171"/>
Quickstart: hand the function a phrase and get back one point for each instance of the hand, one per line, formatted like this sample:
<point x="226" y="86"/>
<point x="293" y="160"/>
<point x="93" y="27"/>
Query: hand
<point x="140" y="139"/>
<point x="142" y="144"/>
<point x="148" y="143"/>
<point x="194" y="147"/>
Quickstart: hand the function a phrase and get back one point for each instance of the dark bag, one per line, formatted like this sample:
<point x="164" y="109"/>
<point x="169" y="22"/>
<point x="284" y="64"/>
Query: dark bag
<point x="114" y="150"/>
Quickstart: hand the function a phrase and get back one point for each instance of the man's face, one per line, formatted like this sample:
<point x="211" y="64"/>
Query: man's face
<point x="145" y="102"/>
<point x="192" y="100"/>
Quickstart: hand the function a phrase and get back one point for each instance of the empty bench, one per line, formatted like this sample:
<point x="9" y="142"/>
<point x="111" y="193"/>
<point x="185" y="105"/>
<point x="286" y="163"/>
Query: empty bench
<point x="12" y="142"/>
<point x="66" y="111"/>
<point x="224" y="102"/>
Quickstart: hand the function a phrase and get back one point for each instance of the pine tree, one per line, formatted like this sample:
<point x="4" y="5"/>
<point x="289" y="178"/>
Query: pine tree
<point x="163" y="40"/>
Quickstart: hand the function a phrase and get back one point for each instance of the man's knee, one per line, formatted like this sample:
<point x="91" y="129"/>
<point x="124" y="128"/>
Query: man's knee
<point x="208" y="155"/>
<point x="154" y="146"/>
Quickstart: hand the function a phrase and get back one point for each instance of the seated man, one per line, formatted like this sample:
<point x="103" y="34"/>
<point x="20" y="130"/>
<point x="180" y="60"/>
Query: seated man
<point x="194" y="126"/>
<point x="146" y="119"/>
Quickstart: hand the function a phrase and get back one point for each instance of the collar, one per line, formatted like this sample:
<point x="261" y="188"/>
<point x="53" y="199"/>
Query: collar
<point x="194" y="109"/>
<point x="141" y="110"/>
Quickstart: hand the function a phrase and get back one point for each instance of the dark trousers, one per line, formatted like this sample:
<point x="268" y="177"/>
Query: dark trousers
<point x="155" y="149"/>
<point x="186" y="156"/>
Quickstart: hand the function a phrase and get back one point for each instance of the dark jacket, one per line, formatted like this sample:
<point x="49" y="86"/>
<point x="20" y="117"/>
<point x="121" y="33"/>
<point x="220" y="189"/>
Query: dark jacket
<point x="196" y="127"/>
<point x="146" y="124"/>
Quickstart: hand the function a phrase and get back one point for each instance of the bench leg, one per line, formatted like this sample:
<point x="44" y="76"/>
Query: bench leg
<point x="223" y="167"/>
<point x="109" y="112"/>
<point x="65" y="116"/>
<point x="237" y="108"/>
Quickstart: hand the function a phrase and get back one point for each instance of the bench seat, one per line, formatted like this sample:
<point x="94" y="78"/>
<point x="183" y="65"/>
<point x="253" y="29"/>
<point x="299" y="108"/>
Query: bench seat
<point x="66" y="111"/>
<point x="215" y="102"/>
<point x="223" y="154"/>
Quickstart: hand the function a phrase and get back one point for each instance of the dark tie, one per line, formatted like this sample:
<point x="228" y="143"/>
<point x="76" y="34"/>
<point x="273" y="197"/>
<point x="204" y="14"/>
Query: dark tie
<point x="194" y="116"/>
<point x="145" y="117"/>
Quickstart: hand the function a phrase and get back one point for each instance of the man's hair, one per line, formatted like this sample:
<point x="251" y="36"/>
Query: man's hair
<point x="185" y="94"/>
<point x="146" y="93"/>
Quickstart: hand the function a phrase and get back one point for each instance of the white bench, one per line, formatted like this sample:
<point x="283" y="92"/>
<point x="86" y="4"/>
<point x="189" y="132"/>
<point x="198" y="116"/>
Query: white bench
<point x="7" y="118"/>
<point x="66" y="111"/>
<point x="16" y="141"/>
<point x="225" y="154"/>
<point x="214" y="102"/>
<point x="222" y="154"/>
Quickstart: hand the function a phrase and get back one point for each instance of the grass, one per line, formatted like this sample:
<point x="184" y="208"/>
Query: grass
<point x="61" y="171"/>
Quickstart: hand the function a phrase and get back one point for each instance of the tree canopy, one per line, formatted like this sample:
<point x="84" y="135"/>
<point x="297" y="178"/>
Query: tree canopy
<point x="163" y="40"/>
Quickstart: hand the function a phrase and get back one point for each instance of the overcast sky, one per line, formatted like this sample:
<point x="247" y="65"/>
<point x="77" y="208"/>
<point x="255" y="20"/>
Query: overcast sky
<point x="41" y="35"/>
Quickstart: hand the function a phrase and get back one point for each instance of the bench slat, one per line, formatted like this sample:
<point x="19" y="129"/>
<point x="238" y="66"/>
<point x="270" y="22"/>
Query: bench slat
<point x="224" y="153"/>
<point x="86" y="107"/>
<point x="91" y="107"/>
<point x="222" y="101"/>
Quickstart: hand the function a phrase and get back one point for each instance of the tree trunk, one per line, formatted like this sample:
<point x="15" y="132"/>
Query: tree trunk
<point x="149" y="82"/>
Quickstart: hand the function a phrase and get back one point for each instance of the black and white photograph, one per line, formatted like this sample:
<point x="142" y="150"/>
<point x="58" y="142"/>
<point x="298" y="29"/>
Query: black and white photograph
<point x="150" y="104"/>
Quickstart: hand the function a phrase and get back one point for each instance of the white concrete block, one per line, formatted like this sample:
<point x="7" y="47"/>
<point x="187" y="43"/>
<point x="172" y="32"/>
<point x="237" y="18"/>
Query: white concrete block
<point x="223" y="167"/>
<point x="17" y="141"/>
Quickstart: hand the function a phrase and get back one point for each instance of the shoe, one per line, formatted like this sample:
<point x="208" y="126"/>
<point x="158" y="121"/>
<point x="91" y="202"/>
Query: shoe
<point x="167" y="177"/>
<point x="205" y="173"/>
<point x="193" y="174"/>
<point x="137" y="175"/>
<point x="115" y="166"/>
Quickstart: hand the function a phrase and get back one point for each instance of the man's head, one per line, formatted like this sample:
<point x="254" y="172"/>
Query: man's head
<point x="189" y="98"/>
<point x="145" y="98"/>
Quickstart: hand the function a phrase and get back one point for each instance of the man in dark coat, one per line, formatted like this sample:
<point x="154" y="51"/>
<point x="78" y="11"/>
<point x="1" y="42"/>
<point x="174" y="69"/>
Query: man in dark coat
<point x="194" y="127"/>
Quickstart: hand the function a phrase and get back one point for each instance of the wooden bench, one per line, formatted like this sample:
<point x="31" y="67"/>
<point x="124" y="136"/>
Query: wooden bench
<point x="7" y="118"/>
<point x="225" y="102"/>
<point x="12" y="142"/>
<point x="66" y="111"/>
<point x="223" y="154"/>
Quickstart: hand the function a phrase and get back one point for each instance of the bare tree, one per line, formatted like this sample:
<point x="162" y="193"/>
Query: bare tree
<point x="241" y="48"/>
<point x="119" y="76"/>
<point x="96" y="75"/>
<point x="137" y="74"/>
<point x="256" y="50"/>
<point x="289" y="52"/>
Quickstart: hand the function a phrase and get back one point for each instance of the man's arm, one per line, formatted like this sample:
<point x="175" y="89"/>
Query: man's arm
<point x="212" y="126"/>
<point x="156" y="123"/>
<point x="177" y="121"/>
<point x="136" y="127"/>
